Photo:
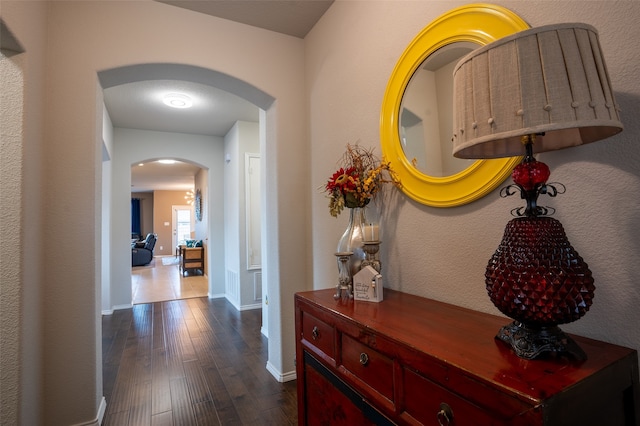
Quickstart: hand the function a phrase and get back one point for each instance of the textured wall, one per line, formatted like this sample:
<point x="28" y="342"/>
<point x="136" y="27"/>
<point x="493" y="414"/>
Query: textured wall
<point x="442" y="253"/>
<point x="11" y="108"/>
<point x="21" y="155"/>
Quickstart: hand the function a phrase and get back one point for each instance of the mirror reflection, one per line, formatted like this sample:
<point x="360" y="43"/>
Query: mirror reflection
<point x="425" y="119"/>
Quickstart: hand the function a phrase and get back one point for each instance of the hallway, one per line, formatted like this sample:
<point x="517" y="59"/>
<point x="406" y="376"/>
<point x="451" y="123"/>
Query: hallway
<point x="190" y="362"/>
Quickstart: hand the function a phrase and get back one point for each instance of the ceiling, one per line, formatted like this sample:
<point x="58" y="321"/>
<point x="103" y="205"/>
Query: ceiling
<point x="291" y="17"/>
<point x="153" y="175"/>
<point x="139" y="105"/>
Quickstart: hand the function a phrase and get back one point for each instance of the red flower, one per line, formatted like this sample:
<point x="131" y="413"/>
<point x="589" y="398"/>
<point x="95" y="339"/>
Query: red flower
<point x="343" y="180"/>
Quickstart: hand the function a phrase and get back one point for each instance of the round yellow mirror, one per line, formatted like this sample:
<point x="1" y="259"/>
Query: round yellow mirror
<point x="416" y="111"/>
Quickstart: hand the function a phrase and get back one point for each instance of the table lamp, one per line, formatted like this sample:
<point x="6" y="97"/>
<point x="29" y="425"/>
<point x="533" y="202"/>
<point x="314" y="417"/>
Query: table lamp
<point x="538" y="90"/>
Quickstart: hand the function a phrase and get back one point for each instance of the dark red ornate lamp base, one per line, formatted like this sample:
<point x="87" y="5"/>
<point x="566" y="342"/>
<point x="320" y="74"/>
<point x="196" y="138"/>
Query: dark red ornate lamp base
<point x="533" y="342"/>
<point x="538" y="279"/>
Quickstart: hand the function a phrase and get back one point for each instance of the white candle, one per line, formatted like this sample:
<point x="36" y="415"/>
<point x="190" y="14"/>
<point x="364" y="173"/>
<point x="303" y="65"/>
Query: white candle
<point x="371" y="232"/>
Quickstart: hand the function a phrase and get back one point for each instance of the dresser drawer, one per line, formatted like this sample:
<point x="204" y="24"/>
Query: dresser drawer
<point x="424" y="399"/>
<point x="330" y="401"/>
<point x="319" y="334"/>
<point x="370" y="367"/>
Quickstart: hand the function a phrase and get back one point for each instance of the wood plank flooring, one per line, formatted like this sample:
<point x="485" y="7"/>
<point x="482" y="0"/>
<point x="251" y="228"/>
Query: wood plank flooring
<point x="190" y="362"/>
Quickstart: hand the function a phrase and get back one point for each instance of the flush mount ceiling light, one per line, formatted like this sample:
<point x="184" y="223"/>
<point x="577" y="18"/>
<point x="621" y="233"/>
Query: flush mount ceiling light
<point x="167" y="161"/>
<point x="177" y="100"/>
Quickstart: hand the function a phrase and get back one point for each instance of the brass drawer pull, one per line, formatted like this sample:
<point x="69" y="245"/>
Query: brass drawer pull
<point x="364" y="358"/>
<point x="445" y="415"/>
<point x="315" y="333"/>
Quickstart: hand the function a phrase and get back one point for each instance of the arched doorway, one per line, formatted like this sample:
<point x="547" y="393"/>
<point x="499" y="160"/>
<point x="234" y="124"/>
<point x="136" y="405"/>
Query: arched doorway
<point x="115" y="198"/>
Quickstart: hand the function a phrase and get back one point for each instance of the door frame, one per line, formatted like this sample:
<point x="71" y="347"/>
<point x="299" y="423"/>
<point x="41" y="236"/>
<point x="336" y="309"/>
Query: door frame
<point x="174" y="221"/>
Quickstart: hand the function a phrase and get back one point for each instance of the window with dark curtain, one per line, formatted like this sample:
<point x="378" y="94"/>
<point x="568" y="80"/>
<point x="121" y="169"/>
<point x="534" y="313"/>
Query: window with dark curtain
<point x="135" y="218"/>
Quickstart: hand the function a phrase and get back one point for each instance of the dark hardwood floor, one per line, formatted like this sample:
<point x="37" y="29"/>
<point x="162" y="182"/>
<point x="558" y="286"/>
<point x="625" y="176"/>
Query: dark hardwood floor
<point x="190" y="362"/>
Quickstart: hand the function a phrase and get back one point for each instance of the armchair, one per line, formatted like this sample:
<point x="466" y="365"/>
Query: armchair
<point x="142" y="251"/>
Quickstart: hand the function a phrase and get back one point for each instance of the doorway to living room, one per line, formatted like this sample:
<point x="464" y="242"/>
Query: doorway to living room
<point x="166" y="193"/>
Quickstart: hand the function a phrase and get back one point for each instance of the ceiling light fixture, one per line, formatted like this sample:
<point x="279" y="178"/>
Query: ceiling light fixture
<point x="177" y="100"/>
<point x="167" y="161"/>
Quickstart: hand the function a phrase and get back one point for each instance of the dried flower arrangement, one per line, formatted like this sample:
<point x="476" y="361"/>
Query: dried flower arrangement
<point x="358" y="180"/>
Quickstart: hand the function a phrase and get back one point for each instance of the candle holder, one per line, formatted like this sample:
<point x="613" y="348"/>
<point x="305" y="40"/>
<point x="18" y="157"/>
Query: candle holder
<point x="371" y="249"/>
<point x="344" y="289"/>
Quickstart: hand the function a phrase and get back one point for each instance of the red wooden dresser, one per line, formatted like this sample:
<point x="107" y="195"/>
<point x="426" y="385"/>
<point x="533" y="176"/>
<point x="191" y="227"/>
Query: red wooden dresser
<point x="411" y="360"/>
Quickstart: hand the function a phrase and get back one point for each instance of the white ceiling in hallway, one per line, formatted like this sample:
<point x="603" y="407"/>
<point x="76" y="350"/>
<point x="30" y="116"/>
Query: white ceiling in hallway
<point x="139" y="105"/>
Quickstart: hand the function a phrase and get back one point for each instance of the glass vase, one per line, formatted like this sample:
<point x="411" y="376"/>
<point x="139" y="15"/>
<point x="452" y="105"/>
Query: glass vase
<point x="351" y="241"/>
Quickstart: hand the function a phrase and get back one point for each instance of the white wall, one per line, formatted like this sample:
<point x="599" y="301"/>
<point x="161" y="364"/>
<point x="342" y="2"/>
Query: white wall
<point x="107" y="153"/>
<point x="442" y="253"/>
<point x="242" y="138"/>
<point x="135" y="146"/>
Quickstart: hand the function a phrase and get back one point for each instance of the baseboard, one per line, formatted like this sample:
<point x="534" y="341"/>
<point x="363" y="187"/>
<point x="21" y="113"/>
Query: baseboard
<point x="99" y="417"/>
<point x="115" y="308"/>
<point x="118" y="307"/>
<point x="250" y="307"/>
<point x="231" y="300"/>
<point x="216" y="296"/>
<point x="102" y="410"/>
<point x="286" y="377"/>
<point x="244" y="307"/>
<point x="265" y="332"/>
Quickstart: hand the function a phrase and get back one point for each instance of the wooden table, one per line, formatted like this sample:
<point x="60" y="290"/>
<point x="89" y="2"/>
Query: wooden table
<point x="411" y="360"/>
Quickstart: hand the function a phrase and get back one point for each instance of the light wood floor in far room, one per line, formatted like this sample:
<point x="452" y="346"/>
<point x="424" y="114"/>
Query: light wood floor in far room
<point x="162" y="280"/>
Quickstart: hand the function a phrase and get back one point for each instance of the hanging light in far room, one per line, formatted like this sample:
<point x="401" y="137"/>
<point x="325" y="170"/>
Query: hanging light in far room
<point x="190" y="197"/>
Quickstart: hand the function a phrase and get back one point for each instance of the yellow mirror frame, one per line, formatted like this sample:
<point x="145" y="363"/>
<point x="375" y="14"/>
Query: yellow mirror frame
<point x="478" y="23"/>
